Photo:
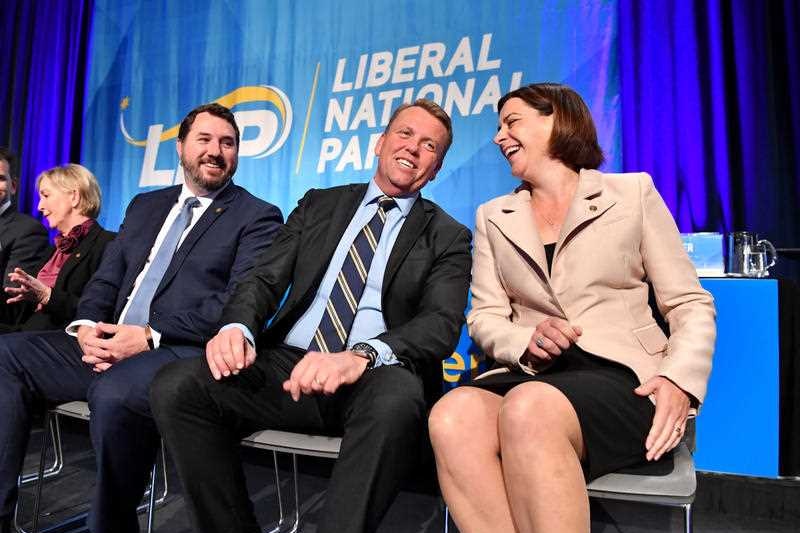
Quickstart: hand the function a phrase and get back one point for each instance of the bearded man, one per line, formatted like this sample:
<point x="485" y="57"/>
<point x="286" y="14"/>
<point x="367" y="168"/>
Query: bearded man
<point x="156" y="297"/>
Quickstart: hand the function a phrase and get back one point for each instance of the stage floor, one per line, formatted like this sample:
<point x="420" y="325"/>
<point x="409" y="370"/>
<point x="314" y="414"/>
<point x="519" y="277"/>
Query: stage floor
<point x="723" y="504"/>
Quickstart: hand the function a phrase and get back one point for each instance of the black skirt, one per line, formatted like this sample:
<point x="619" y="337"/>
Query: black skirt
<point x="614" y="420"/>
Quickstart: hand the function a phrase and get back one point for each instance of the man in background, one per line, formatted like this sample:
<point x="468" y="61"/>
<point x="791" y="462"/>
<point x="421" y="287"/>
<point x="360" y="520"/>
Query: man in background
<point x="23" y="240"/>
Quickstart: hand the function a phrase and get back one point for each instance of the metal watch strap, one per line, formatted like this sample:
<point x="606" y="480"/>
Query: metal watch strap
<point x="365" y="350"/>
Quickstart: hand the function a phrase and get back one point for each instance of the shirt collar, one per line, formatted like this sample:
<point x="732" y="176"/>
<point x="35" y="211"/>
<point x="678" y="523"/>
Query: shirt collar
<point x="404" y="203"/>
<point x="205" y="200"/>
<point x="5" y="205"/>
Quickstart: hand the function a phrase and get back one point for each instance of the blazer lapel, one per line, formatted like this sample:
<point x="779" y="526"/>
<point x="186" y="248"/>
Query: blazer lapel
<point x="418" y="219"/>
<point x="588" y="204"/>
<point x="161" y="204"/>
<point x="76" y="257"/>
<point x="320" y="249"/>
<point x="342" y="214"/>
<point x="515" y="222"/>
<point x="220" y="204"/>
<point x="5" y="217"/>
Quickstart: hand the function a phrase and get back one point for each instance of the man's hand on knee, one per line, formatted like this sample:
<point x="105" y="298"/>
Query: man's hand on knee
<point x="324" y="373"/>
<point x="228" y="353"/>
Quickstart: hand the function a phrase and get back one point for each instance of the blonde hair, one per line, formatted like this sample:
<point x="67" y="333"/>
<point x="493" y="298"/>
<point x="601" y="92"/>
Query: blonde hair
<point x="74" y="177"/>
<point x="433" y="109"/>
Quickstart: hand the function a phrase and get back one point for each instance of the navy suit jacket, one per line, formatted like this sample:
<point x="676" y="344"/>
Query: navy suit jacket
<point x="217" y="253"/>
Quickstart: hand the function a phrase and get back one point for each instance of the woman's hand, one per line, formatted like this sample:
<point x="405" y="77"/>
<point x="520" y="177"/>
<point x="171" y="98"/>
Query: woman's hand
<point x="669" y="422"/>
<point x="551" y="337"/>
<point x="30" y="289"/>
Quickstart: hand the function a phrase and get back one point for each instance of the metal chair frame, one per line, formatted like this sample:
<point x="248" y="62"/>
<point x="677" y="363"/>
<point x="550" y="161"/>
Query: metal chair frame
<point x="79" y="410"/>
<point x="652" y="489"/>
<point x="294" y="444"/>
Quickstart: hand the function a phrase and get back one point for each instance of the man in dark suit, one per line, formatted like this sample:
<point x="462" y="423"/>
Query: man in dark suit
<point x="23" y="240"/>
<point x="156" y="297"/>
<point x="377" y="279"/>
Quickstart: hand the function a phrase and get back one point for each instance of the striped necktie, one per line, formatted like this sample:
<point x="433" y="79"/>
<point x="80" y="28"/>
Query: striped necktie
<point x="340" y="311"/>
<point x="139" y="310"/>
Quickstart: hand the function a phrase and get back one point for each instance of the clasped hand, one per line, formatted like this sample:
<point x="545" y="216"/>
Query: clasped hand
<point x="30" y="289"/>
<point x="551" y="337"/>
<point x="106" y="344"/>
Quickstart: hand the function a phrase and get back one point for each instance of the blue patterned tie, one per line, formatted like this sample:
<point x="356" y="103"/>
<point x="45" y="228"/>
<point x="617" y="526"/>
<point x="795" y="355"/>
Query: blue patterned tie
<point x="340" y="311"/>
<point x="139" y="310"/>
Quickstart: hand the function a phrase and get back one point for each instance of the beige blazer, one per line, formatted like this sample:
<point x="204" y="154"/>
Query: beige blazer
<point x="617" y="236"/>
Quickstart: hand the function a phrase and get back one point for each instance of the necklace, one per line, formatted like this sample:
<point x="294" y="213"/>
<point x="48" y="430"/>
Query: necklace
<point x="549" y="222"/>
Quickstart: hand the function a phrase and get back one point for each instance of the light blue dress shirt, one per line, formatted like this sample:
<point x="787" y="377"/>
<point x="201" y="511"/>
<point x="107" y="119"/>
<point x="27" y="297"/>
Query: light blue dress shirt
<point x="368" y="322"/>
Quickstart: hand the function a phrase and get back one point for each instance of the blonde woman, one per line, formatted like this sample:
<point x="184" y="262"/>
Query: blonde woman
<point x="69" y="198"/>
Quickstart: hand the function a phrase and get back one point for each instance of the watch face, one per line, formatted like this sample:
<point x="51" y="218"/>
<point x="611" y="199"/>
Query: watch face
<point x="369" y="352"/>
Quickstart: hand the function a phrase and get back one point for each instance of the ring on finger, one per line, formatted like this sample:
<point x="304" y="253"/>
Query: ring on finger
<point x="318" y="382"/>
<point x="539" y="341"/>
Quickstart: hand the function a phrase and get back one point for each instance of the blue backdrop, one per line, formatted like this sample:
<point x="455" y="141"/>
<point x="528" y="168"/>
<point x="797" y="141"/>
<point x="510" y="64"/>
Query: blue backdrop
<point x="705" y="95"/>
<point x="312" y="85"/>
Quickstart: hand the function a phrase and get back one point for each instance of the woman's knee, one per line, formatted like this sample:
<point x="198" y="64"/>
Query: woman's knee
<point x="535" y="412"/>
<point x="462" y="414"/>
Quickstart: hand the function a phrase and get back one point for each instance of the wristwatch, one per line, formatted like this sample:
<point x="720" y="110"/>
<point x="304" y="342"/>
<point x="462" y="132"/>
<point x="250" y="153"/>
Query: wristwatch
<point x="148" y="333"/>
<point x="365" y="350"/>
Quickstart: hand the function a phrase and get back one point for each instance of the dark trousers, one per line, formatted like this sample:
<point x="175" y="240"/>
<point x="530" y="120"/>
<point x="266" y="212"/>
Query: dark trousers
<point x="381" y="417"/>
<point x="47" y="366"/>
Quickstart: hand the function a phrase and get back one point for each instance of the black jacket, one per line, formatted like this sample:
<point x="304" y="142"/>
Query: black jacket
<point x="424" y="287"/>
<point x="72" y="278"/>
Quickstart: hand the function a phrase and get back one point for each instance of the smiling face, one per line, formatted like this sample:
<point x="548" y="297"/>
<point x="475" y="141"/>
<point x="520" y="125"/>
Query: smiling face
<point x="7" y="188"/>
<point x="410" y="152"/>
<point x="523" y="137"/>
<point x="59" y="206"/>
<point x="209" y="154"/>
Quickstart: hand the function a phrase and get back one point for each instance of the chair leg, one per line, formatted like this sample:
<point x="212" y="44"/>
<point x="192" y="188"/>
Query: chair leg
<point x="38" y="499"/>
<point x="58" y="456"/>
<point x="296" y="524"/>
<point x="163" y="497"/>
<point x="295" y="527"/>
<point x="279" y="495"/>
<point x="151" y="503"/>
<point x="151" y="486"/>
<point x="687" y="518"/>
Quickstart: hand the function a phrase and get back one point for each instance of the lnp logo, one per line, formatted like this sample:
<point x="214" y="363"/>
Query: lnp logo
<point x="272" y="126"/>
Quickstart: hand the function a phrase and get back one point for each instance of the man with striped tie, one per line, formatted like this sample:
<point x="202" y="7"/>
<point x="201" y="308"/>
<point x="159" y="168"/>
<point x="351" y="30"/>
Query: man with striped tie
<point x="377" y="281"/>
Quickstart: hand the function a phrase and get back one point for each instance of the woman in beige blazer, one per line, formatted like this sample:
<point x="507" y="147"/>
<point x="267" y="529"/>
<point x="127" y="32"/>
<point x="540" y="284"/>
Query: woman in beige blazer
<point x="588" y="381"/>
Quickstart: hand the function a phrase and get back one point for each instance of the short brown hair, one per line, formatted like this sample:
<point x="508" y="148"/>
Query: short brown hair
<point x="434" y="109"/>
<point x="74" y="177"/>
<point x="574" y="137"/>
<point x="11" y="160"/>
<point x="214" y="109"/>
